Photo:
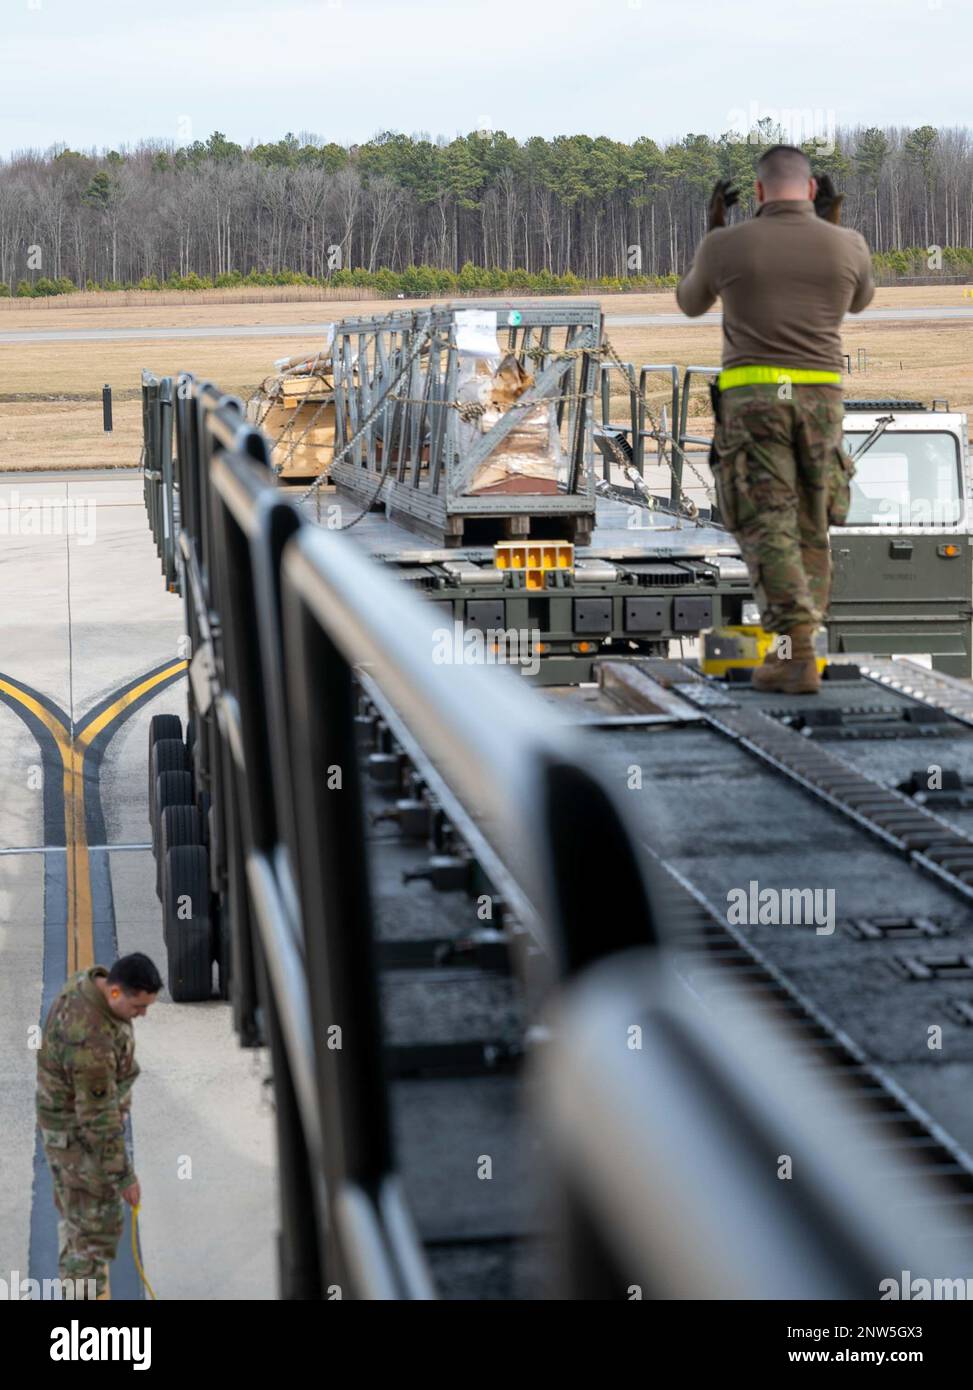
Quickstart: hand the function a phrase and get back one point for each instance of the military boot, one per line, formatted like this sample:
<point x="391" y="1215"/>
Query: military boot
<point x="794" y="675"/>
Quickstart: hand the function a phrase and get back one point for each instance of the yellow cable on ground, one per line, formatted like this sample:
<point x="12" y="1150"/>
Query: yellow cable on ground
<point x="135" y="1252"/>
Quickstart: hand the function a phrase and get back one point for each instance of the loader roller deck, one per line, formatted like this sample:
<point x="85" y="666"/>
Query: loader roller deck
<point x="717" y="817"/>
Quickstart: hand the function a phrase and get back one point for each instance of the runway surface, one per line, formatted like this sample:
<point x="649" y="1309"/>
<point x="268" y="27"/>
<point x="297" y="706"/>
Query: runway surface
<point x="303" y="330"/>
<point x="92" y="648"/>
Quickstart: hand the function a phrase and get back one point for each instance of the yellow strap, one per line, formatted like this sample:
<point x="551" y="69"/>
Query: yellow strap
<point x="773" y="376"/>
<point x="136" y="1253"/>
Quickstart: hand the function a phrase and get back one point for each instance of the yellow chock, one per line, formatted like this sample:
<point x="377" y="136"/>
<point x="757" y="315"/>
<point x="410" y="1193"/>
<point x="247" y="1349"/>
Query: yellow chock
<point x="533" y="559"/>
<point x="739" y="648"/>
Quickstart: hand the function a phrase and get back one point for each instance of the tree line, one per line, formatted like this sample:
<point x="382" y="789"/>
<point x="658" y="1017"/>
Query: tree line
<point x="437" y="215"/>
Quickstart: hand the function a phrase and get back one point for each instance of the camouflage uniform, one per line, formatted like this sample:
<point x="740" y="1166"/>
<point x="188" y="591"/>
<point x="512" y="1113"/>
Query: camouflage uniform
<point x="782" y="477"/>
<point x="85" y="1072"/>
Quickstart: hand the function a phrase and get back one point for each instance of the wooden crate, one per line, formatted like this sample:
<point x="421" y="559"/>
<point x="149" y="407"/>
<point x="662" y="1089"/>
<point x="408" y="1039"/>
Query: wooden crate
<point x="316" y="448"/>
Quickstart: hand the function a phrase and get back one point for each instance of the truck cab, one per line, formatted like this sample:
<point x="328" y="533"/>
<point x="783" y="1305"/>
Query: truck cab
<point x="903" y="562"/>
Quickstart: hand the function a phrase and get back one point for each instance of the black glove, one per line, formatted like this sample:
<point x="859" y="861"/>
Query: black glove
<point x="724" y="195"/>
<point x="827" y="203"/>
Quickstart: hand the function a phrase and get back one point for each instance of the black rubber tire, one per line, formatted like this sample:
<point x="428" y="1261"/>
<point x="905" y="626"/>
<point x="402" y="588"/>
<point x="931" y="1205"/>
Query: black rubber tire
<point x="188" y="930"/>
<point x="164" y="726"/>
<point x="166" y="755"/>
<point x="190" y="737"/>
<point x="171" y="789"/>
<point x="161" y="726"/>
<point x="178" y="825"/>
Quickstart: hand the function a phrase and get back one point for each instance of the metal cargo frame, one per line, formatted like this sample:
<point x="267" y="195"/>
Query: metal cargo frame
<point x="408" y="453"/>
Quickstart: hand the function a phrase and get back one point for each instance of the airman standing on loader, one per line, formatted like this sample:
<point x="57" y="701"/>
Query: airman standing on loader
<point x="86" y="1069"/>
<point x="786" y="278"/>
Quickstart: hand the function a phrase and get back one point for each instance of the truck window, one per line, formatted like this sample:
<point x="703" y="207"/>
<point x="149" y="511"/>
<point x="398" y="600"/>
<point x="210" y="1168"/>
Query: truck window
<point x="906" y="480"/>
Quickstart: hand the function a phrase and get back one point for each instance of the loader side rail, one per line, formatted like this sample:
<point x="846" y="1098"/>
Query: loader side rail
<point x="282" y="615"/>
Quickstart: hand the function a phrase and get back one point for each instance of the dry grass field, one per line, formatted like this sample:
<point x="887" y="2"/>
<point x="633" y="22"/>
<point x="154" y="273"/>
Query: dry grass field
<point x="50" y="392"/>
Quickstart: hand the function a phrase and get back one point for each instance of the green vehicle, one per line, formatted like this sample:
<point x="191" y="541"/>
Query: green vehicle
<point x="903" y="563"/>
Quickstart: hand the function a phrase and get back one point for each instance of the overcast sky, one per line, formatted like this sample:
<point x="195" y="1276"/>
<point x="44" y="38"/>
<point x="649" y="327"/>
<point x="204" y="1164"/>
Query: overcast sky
<point x="103" y="73"/>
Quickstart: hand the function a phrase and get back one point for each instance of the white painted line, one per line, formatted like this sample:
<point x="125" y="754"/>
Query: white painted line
<point x="59" y="849"/>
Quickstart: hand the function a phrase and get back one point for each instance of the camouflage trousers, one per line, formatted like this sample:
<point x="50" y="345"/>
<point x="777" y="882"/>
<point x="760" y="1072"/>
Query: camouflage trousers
<point x="782" y="477"/>
<point x="92" y="1220"/>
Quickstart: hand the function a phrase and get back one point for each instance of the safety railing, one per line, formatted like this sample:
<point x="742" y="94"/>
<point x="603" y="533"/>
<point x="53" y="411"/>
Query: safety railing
<point x="638" y="408"/>
<point x="157" y="476"/>
<point x="668" y="429"/>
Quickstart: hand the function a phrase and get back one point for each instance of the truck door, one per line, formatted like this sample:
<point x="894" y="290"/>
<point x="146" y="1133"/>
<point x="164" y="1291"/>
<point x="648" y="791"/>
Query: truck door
<point x="903" y="574"/>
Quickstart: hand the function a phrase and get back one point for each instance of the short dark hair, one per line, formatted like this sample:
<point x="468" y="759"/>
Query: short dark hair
<point x="136" y="974"/>
<point x="783" y="164"/>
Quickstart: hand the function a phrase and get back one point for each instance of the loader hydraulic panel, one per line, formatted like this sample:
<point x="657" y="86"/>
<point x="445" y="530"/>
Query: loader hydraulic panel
<point x="599" y="607"/>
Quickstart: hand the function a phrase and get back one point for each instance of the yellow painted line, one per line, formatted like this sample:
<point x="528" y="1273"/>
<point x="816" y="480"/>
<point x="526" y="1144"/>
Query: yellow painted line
<point x="36" y="708"/>
<point x="78" y="875"/>
<point x="80" y="911"/>
<point x="82" y="917"/>
<point x="89" y="732"/>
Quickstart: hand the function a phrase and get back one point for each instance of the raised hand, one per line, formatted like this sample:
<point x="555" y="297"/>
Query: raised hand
<point x="827" y="203"/>
<point x="724" y="195"/>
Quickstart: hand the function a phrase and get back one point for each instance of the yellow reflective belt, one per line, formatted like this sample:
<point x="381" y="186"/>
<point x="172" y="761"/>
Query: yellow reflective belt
<point x="773" y="376"/>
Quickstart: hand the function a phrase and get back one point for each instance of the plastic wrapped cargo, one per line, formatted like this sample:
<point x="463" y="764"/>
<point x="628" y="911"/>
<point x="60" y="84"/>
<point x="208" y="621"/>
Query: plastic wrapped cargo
<point x="530" y="459"/>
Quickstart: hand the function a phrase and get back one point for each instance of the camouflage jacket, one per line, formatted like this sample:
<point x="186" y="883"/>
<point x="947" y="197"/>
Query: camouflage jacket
<point x="86" y="1069"/>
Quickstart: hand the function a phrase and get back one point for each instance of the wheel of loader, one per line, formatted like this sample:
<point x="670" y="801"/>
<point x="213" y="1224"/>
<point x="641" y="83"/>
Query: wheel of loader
<point x="178" y="825"/>
<point x="164" y="726"/>
<point x="187" y="924"/>
<point x="167" y="755"/>
<point x="171" y="789"/>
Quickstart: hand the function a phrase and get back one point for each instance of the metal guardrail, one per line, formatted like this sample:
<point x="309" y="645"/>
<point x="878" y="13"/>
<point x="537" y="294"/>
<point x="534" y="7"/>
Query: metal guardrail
<point x="157" y="478"/>
<point x="671" y="435"/>
<point x="638" y="410"/>
<point x="287" y="621"/>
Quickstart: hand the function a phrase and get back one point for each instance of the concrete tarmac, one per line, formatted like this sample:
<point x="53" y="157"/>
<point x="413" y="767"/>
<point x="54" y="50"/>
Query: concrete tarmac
<point x="85" y="618"/>
<point x="305" y="330"/>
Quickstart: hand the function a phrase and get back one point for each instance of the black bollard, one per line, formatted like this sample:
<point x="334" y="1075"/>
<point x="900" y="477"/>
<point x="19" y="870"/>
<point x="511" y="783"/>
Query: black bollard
<point x="106" y="407"/>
